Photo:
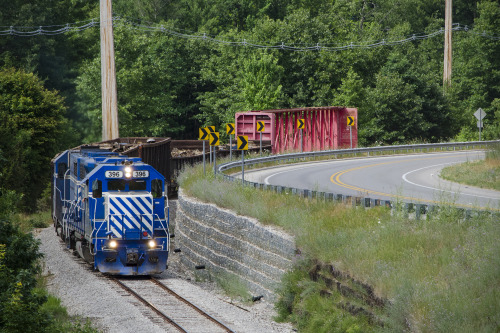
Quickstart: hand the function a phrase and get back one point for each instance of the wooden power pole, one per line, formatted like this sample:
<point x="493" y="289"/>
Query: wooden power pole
<point x="447" y="44"/>
<point x="108" y="75"/>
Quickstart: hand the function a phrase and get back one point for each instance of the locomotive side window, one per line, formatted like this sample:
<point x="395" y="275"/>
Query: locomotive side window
<point x="97" y="188"/>
<point x="82" y="172"/>
<point x="61" y="170"/>
<point x="116" y="185"/>
<point x="156" y="188"/>
<point x="137" y="185"/>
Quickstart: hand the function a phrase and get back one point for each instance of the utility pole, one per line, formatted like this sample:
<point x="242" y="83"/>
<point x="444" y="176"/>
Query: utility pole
<point x="447" y="44"/>
<point x="108" y="75"/>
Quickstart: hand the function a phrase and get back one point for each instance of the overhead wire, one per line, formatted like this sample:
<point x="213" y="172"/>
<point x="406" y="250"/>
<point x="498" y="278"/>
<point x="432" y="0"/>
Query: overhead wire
<point x="134" y="24"/>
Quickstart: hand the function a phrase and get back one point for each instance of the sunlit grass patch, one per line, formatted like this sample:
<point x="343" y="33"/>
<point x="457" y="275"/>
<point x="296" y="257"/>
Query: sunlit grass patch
<point x="28" y="222"/>
<point x="233" y="286"/>
<point x="483" y="173"/>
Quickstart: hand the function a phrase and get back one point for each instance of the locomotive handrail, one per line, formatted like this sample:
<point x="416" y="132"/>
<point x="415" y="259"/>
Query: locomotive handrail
<point x="164" y="229"/>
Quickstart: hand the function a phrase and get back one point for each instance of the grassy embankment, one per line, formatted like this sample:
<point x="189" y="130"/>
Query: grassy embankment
<point x="483" y="173"/>
<point x="440" y="274"/>
<point x="57" y="318"/>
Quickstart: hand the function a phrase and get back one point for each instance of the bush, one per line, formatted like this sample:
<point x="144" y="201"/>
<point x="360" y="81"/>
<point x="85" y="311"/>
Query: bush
<point x="19" y="303"/>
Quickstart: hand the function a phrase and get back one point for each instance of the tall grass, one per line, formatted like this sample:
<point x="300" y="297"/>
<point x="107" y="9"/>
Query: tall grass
<point x="483" y="173"/>
<point x="440" y="274"/>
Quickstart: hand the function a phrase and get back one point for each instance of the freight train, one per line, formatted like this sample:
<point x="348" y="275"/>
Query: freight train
<point x="110" y="200"/>
<point x="112" y="209"/>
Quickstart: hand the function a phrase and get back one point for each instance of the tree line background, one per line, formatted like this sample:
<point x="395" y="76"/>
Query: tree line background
<point x="50" y="97"/>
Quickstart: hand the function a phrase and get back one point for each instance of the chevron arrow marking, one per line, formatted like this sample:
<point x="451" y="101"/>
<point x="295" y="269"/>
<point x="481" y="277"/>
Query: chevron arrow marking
<point x="260" y="126"/>
<point x="214" y="138"/>
<point x="350" y="121"/>
<point x="300" y="123"/>
<point x="203" y="134"/>
<point x="242" y="142"/>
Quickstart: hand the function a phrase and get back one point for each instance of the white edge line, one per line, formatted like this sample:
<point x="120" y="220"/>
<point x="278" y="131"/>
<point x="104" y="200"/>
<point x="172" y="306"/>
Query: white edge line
<point x="437" y="189"/>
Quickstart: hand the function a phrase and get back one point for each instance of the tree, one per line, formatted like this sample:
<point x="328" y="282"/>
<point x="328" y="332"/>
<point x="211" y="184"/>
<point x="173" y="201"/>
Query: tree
<point x="153" y="83"/>
<point x="32" y="125"/>
<point x="260" y="82"/>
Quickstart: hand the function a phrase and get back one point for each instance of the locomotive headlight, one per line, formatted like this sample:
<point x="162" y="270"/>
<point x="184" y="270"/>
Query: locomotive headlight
<point x="152" y="244"/>
<point x="128" y="172"/>
<point x="113" y="244"/>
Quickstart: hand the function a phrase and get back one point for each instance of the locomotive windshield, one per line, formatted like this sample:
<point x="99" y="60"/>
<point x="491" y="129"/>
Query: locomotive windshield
<point x="127" y="185"/>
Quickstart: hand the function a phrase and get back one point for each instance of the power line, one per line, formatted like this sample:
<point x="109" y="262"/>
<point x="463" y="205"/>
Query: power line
<point x="52" y="30"/>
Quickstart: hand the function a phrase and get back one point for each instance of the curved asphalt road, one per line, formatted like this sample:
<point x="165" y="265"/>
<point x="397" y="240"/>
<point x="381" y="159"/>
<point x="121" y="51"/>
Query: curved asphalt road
<point x="411" y="178"/>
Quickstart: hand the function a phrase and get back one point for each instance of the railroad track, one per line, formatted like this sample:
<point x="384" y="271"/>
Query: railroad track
<point x="169" y="306"/>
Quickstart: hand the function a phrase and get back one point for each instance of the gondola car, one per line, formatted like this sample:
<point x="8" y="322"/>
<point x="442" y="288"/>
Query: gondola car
<point x="112" y="210"/>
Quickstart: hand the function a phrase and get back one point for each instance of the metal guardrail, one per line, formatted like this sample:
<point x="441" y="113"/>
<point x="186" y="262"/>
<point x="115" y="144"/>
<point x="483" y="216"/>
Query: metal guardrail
<point x="416" y="208"/>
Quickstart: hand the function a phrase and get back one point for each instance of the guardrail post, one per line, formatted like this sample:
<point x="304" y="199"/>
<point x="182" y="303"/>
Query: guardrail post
<point x="367" y="202"/>
<point x="418" y="211"/>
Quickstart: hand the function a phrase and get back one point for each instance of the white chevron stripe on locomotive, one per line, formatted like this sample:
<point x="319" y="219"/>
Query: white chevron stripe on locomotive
<point x="130" y="212"/>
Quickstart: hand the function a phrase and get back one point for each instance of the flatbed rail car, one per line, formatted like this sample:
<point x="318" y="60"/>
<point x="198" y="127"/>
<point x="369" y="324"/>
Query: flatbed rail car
<point x="112" y="210"/>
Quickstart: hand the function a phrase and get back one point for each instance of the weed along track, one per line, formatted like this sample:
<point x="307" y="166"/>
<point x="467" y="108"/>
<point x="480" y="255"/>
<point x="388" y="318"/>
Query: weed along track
<point x="167" y="305"/>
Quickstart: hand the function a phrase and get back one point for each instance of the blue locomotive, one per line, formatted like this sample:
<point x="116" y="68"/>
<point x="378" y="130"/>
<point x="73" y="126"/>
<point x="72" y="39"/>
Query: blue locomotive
<point x="112" y="210"/>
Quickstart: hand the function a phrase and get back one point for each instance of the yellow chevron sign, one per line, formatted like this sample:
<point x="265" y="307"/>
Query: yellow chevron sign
<point x="350" y="121"/>
<point x="203" y="134"/>
<point x="230" y="128"/>
<point x="301" y="123"/>
<point x="214" y="138"/>
<point x="242" y="142"/>
<point x="260" y="126"/>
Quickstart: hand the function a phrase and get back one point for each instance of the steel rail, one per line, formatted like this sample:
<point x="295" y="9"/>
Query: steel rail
<point x="148" y="304"/>
<point x="182" y="299"/>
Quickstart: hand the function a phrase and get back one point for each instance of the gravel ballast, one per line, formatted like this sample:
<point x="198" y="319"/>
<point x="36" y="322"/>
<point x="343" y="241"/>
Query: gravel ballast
<point x="89" y="295"/>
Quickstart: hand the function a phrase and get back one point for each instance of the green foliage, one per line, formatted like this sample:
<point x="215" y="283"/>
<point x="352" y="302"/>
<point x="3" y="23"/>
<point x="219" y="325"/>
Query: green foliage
<point x="23" y="306"/>
<point x="169" y="86"/>
<point x="260" y="83"/>
<point x="32" y="122"/>
<point x="19" y="303"/>
<point x="153" y="80"/>
<point x="300" y="302"/>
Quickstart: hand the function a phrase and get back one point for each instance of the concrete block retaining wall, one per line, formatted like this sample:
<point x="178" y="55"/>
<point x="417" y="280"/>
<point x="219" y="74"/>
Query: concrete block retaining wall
<point x="225" y="242"/>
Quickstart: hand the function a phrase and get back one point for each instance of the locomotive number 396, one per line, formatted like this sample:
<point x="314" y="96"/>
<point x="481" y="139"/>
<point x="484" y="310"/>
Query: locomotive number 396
<point x="114" y="174"/>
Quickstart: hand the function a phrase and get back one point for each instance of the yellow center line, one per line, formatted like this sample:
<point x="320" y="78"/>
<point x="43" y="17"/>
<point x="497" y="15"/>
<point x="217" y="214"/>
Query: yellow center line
<point x="335" y="179"/>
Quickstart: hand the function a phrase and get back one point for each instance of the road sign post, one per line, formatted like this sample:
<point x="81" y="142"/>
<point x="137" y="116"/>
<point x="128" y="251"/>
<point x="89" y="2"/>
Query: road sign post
<point x="211" y="129"/>
<point x="300" y="125"/>
<point x="214" y="141"/>
<point x="260" y="128"/>
<point x="350" y="135"/>
<point x="203" y="135"/>
<point x="350" y="123"/>
<point x="242" y="144"/>
<point x="230" y="131"/>
<point x="480" y="114"/>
